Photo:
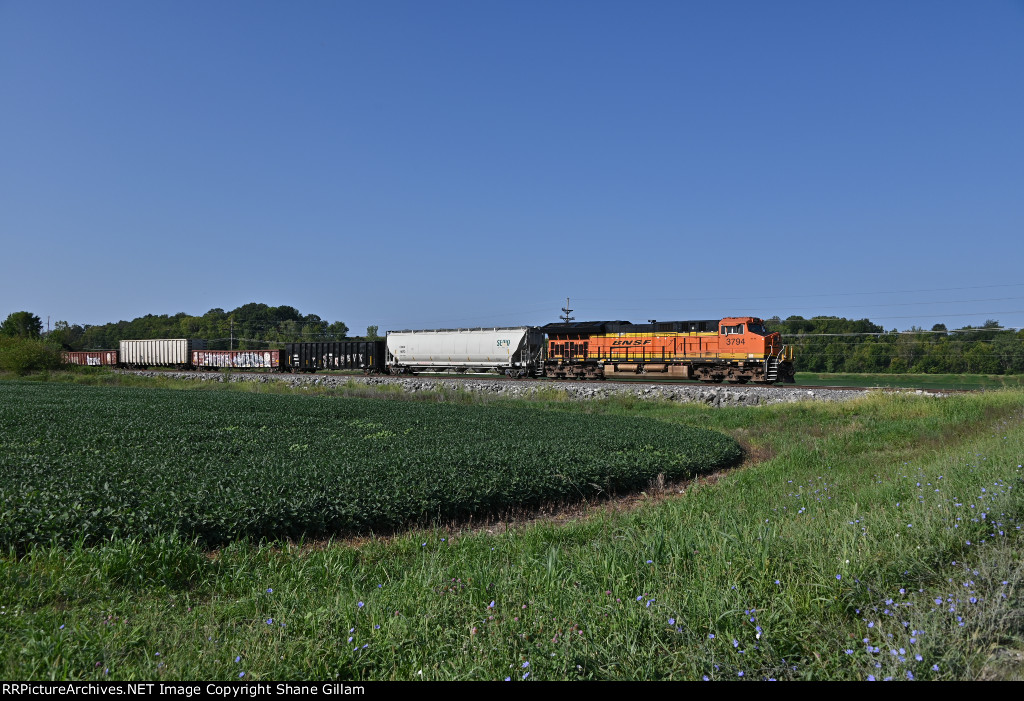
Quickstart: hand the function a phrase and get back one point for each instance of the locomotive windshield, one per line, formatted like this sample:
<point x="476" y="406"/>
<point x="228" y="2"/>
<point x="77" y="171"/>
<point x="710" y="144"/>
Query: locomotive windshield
<point x="758" y="329"/>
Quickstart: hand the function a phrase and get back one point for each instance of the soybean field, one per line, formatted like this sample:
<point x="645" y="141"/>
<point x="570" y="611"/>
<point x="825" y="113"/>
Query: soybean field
<point x="93" y="463"/>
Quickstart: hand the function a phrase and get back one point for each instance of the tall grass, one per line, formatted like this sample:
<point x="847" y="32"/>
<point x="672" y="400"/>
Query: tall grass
<point x="799" y="567"/>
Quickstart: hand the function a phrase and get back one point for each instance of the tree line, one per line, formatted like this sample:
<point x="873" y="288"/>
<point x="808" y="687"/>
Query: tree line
<point x="836" y="344"/>
<point x="252" y="325"/>
<point x="821" y="343"/>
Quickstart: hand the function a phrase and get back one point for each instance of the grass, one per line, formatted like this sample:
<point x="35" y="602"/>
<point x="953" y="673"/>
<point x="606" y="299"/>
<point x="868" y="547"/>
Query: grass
<point x="222" y="380"/>
<point x="911" y="380"/>
<point x="868" y="513"/>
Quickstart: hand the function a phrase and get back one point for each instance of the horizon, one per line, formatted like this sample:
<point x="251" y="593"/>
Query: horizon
<point x="48" y="324"/>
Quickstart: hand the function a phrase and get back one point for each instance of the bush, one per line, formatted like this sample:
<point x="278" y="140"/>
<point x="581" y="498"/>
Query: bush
<point x="23" y="355"/>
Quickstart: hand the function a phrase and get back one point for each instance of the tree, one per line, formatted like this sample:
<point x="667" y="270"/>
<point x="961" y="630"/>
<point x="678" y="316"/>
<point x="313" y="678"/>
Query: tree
<point x="371" y="333"/>
<point x="981" y="359"/>
<point x="910" y="350"/>
<point x="66" y="336"/>
<point x="22" y="355"/>
<point x="190" y="326"/>
<point x="253" y="325"/>
<point x="22" y="325"/>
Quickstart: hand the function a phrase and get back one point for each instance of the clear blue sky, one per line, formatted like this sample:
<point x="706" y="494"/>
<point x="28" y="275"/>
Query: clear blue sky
<point x="433" y="164"/>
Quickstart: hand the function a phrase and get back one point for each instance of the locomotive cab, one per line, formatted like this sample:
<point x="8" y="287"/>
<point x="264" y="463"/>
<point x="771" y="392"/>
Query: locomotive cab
<point x="748" y="335"/>
<point x="748" y="338"/>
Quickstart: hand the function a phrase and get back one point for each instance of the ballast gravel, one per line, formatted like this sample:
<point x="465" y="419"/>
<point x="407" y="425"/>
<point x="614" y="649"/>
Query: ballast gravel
<point x="712" y="395"/>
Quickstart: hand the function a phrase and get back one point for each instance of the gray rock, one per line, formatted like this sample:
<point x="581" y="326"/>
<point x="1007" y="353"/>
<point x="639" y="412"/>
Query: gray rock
<point x="717" y="396"/>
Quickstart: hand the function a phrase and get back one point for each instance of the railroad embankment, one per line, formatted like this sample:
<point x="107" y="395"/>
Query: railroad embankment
<point x="713" y="395"/>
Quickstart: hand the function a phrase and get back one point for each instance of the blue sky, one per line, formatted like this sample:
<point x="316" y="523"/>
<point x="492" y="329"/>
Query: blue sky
<point x="437" y="164"/>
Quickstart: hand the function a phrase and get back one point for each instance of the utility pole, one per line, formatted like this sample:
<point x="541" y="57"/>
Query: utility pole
<point x="231" y="343"/>
<point x="567" y="311"/>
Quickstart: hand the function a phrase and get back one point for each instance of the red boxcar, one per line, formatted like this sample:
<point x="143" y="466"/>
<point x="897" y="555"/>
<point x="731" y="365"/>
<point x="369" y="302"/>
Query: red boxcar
<point x="263" y="359"/>
<point x="105" y="357"/>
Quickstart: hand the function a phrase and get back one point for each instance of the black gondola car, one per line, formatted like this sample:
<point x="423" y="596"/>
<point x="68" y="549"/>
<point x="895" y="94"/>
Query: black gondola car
<point x="355" y="354"/>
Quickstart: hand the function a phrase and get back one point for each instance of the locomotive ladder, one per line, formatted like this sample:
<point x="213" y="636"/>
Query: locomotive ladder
<point x="771" y="369"/>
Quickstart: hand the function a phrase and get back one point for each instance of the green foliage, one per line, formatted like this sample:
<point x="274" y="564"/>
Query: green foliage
<point x="887" y="492"/>
<point x="251" y="325"/>
<point x="99" y="462"/>
<point x="837" y="345"/>
<point x="21" y="325"/>
<point x="66" y="336"/>
<point x="24" y="355"/>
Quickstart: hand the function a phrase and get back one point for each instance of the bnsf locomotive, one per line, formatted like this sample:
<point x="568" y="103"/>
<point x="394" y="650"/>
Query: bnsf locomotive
<point x="735" y="349"/>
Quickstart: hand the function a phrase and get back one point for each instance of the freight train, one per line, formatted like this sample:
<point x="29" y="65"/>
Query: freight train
<point x="737" y="350"/>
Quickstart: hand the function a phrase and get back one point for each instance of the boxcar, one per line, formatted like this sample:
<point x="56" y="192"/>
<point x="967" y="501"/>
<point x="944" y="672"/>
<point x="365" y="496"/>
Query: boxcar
<point x="213" y="359"/>
<point x="103" y="357"/>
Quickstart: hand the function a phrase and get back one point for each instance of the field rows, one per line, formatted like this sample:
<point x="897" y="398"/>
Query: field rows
<point x="101" y="462"/>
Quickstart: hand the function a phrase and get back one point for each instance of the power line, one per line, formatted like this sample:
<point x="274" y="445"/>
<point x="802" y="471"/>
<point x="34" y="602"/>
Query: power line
<point x="916" y="316"/>
<point x="911" y="304"/>
<point x="804" y="296"/>
<point x="769" y="314"/>
<point x="898" y="333"/>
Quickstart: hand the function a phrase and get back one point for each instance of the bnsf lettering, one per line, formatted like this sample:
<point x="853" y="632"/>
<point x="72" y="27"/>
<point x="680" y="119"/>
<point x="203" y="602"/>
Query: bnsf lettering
<point x="632" y="342"/>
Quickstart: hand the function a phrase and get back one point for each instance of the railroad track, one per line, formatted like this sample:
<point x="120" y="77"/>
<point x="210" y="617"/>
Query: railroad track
<point x="618" y="381"/>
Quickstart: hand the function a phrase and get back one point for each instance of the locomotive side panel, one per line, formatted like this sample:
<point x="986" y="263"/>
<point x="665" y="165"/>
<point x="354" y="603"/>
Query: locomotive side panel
<point x="734" y="349"/>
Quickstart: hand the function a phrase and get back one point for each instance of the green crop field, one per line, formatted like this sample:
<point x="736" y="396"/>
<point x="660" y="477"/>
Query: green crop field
<point x="100" y="462"/>
<point x="878" y="538"/>
<point x="911" y="380"/>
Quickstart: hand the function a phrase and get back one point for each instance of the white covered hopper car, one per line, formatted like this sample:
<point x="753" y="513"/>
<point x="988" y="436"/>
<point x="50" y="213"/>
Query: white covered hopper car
<point x="515" y="351"/>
